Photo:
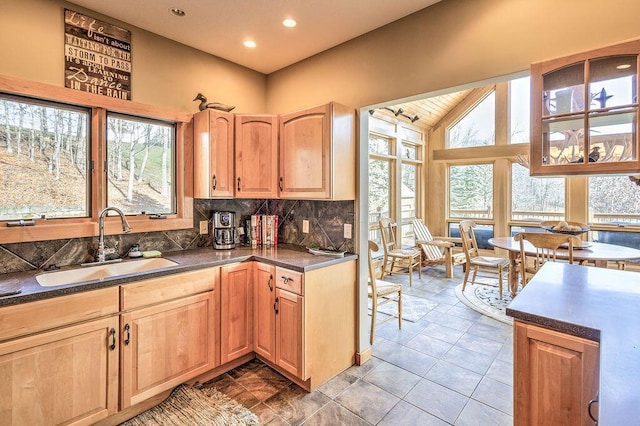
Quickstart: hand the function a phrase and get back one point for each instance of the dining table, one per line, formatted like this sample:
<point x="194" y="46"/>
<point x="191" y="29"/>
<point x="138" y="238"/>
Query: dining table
<point x="598" y="254"/>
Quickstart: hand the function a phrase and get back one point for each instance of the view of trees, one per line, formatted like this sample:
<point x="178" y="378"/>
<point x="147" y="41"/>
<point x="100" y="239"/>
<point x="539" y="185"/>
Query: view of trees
<point x="139" y="165"/>
<point x="535" y="198"/>
<point x="471" y="191"/>
<point x="43" y="160"/>
<point x="614" y="197"/>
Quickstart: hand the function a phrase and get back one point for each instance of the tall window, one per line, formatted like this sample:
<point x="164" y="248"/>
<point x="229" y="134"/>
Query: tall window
<point x="395" y="164"/>
<point x="471" y="191"/>
<point x="381" y="172"/>
<point x="535" y="199"/>
<point x="477" y="127"/>
<point x="409" y="191"/>
<point x="44" y="160"/>
<point x="519" y="109"/>
<point x="614" y="200"/>
<point x="140" y="158"/>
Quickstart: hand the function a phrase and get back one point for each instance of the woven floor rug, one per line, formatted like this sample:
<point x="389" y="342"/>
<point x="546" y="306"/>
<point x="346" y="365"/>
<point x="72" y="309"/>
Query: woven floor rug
<point x="486" y="300"/>
<point x="192" y="406"/>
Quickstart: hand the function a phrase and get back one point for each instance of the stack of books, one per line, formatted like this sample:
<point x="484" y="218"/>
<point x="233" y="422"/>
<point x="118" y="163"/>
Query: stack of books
<point x="264" y="230"/>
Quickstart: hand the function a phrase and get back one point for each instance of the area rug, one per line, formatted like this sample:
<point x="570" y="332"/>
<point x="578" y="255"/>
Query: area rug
<point x="486" y="300"/>
<point x="191" y="406"/>
<point x="413" y="308"/>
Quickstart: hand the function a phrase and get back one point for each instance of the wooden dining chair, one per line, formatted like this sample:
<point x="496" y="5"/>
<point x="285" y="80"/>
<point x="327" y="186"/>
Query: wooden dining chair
<point x="397" y="259"/>
<point x="437" y="250"/>
<point x="545" y="249"/>
<point x="483" y="267"/>
<point x="381" y="292"/>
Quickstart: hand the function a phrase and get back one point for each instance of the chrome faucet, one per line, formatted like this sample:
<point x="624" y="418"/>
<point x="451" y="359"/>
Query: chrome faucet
<point x="102" y="252"/>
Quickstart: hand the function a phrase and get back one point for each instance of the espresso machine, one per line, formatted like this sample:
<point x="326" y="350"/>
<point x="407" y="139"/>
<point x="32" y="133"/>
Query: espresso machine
<point x="224" y="230"/>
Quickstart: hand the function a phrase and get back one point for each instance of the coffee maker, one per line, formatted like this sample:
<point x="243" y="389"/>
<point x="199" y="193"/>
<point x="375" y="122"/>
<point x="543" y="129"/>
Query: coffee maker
<point x="224" y="230"/>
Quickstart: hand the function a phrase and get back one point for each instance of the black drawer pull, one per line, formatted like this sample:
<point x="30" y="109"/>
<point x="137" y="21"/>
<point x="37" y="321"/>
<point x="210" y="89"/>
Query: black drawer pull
<point x="127" y="328"/>
<point x="112" y="332"/>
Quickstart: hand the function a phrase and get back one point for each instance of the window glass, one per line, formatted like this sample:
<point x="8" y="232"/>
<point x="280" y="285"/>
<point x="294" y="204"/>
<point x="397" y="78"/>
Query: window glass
<point x="534" y="198"/>
<point x="477" y="127"/>
<point x="471" y="191"/>
<point x="140" y="158"/>
<point x="379" y="189"/>
<point x="379" y="145"/>
<point x="409" y="151"/>
<point x="614" y="200"/>
<point x="44" y="158"/>
<point x="409" y="192"/>
<point x="519" y="110"/>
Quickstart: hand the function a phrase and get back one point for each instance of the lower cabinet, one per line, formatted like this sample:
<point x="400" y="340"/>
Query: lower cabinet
<point x="264" y="319"/>
<point x="68" y="375"/>
<point x="556" y="375"/>
<point x="289" y="326"/>
<point x="168" y="332"/>
<point x="236" y="311"/>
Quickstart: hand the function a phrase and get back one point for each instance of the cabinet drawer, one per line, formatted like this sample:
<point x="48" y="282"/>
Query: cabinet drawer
<point x="162" y="289"/>
<point x="33" y="317"/>
<point x="290" y="280"/>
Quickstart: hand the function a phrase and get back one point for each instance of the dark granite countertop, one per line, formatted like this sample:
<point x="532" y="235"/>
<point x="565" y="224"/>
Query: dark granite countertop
<point x="287" y="256"/>
<point x="597" y="304"/>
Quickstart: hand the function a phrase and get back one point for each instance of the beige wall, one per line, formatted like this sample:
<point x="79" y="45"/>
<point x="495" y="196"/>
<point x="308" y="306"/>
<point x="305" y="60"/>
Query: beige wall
<point x="165" y="73"/>
<point x="452" y="43"/>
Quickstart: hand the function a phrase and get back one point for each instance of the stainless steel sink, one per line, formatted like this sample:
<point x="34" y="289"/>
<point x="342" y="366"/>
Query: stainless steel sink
<point x="98" y="272"/>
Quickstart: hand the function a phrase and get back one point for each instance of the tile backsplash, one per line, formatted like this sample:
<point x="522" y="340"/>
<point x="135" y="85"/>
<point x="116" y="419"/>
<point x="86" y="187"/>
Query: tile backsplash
<point x="326" y="219"/>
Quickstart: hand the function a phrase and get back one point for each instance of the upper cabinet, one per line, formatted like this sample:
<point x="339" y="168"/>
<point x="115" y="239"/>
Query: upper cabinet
<point x="213" y="154"/>
<point x="584" y="113"/>
<point x="256" y="156"/>
<point x="317" y="153"/>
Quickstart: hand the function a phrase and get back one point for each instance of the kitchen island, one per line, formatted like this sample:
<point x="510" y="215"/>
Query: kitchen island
<point x="586" y="305"/>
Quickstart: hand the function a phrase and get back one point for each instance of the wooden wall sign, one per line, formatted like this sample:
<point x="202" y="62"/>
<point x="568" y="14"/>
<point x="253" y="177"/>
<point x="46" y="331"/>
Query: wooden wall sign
<point x="97" y="56"/>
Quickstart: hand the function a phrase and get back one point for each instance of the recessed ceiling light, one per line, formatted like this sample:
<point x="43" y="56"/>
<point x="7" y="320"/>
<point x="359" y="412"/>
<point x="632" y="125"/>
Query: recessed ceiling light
<point x="250" y="43"/>
<point x="290" y="23"/>
<point x="177" y="12"/>
<point x="623" y="66"/>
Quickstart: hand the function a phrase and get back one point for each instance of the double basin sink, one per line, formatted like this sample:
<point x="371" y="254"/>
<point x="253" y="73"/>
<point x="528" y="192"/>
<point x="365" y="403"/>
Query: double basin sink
<point x="98" y="272"/>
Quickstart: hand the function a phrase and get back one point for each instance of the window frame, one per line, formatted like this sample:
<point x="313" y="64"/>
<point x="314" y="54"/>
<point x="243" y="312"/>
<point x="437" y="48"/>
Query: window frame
<point x="52" y="229"/>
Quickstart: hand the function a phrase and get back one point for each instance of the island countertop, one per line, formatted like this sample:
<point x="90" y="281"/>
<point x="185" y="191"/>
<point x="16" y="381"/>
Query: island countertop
<point x="286" y="256"/>
<point x="597" y="304"/>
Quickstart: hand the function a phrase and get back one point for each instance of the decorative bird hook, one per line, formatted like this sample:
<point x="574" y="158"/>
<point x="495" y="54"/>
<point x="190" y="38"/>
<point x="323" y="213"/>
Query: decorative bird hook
<point x="213" y="105"/>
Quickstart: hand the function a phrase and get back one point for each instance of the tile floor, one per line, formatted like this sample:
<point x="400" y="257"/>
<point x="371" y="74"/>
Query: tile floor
<point x="452" y="366"/>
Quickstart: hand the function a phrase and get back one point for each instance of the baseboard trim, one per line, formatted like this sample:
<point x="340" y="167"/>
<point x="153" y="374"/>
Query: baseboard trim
<point x="364" y="356"/>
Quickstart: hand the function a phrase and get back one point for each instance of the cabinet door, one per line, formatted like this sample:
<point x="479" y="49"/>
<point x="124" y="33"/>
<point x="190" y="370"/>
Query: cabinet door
<point x="69" y="375"/>
<point x="256" y="156"/>
<point x="555" y="377"/>
<point x="166" y="344"/>
<point x="305" y="153"/>
<point x="264" y="318"/>
<point x="289" y="332"/>
<point x="236" y="305"/>
<point x="213" y="154"/>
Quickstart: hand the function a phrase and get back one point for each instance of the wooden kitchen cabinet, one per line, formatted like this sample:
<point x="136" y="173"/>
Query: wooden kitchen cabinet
<point x="256" y="156"/>
<point x="213" y="154"/>
<point x="264" y="326"/>
<point x="289" y="332"/>
<point x="236" y="309"/>
<point x="584" y="113"/>
<point x="168" y="331"/>
<point x="317" y="153"/>
<point x="67" y="374"/>
<point x="555" y="377"/>
<point x="315" y="323"/>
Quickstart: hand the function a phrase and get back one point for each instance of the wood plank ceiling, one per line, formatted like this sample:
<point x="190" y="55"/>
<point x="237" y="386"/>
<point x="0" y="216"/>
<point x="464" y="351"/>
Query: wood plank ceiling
<point x="429" y="111"/>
